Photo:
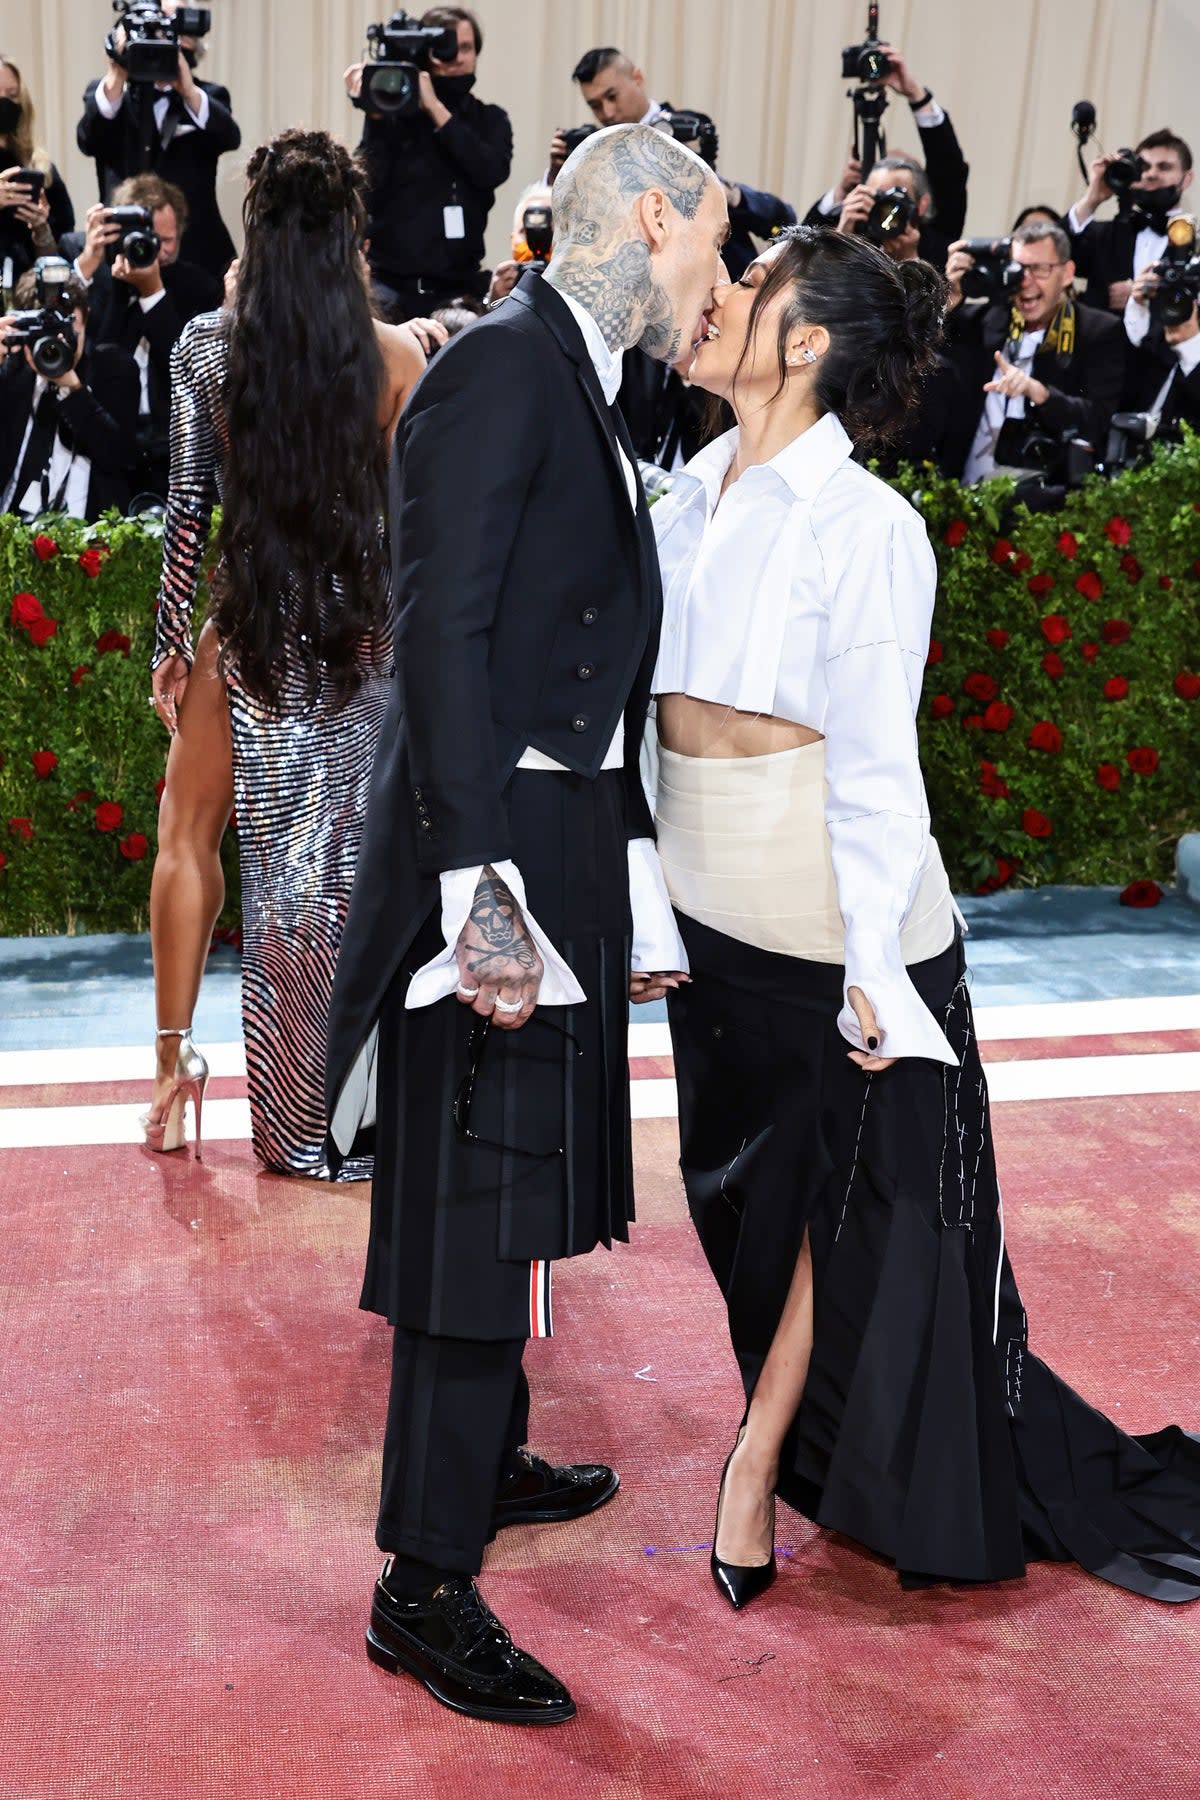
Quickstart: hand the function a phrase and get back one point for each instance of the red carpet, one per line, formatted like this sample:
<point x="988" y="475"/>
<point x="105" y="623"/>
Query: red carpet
<point x="189" y="1457"/>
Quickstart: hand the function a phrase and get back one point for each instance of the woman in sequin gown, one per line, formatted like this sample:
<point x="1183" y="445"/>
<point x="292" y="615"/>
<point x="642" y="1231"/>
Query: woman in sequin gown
<point x="278" y="714"/>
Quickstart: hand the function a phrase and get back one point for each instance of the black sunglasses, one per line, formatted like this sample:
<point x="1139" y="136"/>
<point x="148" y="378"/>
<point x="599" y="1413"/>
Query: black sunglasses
<point x="460" y="1111"/>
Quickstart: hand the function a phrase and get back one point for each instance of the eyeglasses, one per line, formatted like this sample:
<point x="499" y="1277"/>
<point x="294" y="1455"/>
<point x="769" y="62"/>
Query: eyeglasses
<point x="464" y="1098"/>
<point x="1041" y="271"/>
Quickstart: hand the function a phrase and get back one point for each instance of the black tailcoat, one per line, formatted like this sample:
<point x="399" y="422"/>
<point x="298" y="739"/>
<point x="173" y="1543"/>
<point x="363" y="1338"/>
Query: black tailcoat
<point x="529" y="605"/>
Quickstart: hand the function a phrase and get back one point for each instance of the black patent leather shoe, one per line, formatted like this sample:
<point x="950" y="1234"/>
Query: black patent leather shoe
<point x="739" y="1583"/>
<point x="540" y="1493"/>
<point x="457" y="1648"/>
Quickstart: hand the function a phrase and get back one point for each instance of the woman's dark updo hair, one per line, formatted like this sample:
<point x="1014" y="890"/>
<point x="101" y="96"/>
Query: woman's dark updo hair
<point x="302" y="577"/>
<point x="884" y="321"/>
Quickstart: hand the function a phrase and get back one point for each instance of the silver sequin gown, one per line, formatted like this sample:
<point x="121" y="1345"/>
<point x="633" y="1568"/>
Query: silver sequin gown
<point x="301" y="774"/>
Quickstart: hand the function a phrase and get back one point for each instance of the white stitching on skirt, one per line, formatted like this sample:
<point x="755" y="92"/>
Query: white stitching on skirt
<point x="854" y="1165"/>
<point x="730" y="1169"/>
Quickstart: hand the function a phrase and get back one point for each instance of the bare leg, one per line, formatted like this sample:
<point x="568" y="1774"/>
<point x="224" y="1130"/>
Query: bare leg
<point x="188" y="888"/>
<point x="748" y="1510"/>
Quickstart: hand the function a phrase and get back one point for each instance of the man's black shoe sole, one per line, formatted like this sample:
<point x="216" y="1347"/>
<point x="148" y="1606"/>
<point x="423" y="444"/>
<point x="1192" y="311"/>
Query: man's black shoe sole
<point x="395" y="1662"/>
<point x="533" y="1515"/>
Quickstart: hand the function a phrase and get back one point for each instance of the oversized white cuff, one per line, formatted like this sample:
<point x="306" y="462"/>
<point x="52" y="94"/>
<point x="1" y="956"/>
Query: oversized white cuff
<point x="906" y="1025"/>
<point x="657" y="946"/>
<point x="438" y="979"/>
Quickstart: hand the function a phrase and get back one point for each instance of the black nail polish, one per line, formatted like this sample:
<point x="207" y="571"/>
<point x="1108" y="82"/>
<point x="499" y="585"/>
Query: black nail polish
<point x="872" y="1043"/>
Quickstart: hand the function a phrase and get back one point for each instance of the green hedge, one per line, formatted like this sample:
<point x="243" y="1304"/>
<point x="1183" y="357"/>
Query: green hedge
<point x="1039" y="768"/>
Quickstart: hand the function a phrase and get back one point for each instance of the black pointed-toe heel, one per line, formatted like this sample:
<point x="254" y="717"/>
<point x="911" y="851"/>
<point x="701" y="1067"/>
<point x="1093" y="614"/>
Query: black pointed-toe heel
<point x="737" y="1582"/>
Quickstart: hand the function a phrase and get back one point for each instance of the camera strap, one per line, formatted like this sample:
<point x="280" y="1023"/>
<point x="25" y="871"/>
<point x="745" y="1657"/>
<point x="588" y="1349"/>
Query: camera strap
<point x="1060" y="332"/>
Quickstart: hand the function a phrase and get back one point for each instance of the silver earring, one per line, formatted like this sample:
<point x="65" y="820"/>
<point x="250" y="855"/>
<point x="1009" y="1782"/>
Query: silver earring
<point x="808" y="354"/>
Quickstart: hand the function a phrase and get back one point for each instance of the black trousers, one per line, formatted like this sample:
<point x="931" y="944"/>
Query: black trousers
<point x="457" y="1414"/>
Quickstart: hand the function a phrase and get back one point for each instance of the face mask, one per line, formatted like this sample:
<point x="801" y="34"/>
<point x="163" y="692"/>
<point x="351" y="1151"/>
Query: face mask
<point x="1157" y="200"/>
<point x="10" y="116"/>
<point x="451" y="88"/>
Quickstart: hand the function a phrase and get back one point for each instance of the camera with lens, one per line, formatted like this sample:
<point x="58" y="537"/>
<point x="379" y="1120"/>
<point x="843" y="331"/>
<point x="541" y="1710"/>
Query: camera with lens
<point x="47" y="330"/>
<point x="1178" y="273"/>
<point x="138" y="243"/>
<point x="537" y="228"/>
<point x="699" y="134"/>
<point x="892" y="211"/>
<point x="996" y="274"/>
<point x="1050" y="464"/>
<point x="869" y="65"/>
<point x="575" y="135"/>
<point x="397" y="54"/>
<point x="150" y="51"/>
<point x="1125" y="170"/>
<point x="1130" y="435"/>
<point x="867" y="62"/>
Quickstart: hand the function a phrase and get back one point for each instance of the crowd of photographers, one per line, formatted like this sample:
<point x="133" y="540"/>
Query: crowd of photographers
<point x="1070" y="341"/>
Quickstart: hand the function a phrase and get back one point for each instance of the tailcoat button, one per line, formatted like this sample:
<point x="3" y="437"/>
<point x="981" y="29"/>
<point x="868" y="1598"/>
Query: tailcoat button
<point x="579" y="722"/>
<point x="588" y="616"/>
<point x="585" y="671"/>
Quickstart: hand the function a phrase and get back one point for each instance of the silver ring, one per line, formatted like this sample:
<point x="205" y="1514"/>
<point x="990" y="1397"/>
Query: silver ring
<point x="509" y="1006"/>
<point x="468" y="993"/>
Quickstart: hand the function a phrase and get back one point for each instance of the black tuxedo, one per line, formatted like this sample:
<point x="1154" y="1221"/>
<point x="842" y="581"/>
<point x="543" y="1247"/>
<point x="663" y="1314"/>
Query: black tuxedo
<point x="181" y="153"/>
<point x="1105" y="252"/>
<point x="98" y="420"/>
<point x="192" y="289"/>
<point x="947" y="170"/>
<point x="1084" y="388"/>
<point x="1149" y="366"/>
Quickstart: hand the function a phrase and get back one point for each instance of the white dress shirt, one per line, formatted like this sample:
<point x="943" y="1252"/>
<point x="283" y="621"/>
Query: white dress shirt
<point x="656" y="941"/>
<point x="808" y="593"/>
<point x="1137" y="324"/>
<point x="997" y="408"/>
<point x="1148" y="248"/>
<point x="68" y="473"/>
<point x="109" y="109"/>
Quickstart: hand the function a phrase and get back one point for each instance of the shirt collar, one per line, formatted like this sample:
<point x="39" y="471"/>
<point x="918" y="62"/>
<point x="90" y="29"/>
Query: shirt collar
<point x="607" y="363"/>
<point x="803" y="466"/>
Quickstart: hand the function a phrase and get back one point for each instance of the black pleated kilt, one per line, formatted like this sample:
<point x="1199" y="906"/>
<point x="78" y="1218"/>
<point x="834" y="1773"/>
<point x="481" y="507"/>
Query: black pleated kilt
<point x="927" y="1430"/>
<point x="455" y="1225"/>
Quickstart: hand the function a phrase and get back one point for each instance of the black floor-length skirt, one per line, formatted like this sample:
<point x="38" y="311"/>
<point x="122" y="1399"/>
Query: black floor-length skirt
<point x="927" y="1430"/>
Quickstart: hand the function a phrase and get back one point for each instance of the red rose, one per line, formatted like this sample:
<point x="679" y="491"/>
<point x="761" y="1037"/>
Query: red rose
<point x="78" y="674"/>
<point x="3" y="860"/>
<point x="1006" y="868"/>
<point x="1053" y="664"/>
<point x="109" y="814"/>
<point x="1020" y="562"/>
<point x="1089" y="585"/>
<point x="44" y="547"/>
<point x="1108" y="776"/>
<point x="1068" y="545"/>
<point x="42" y="630"/>
<point x="1131" y="568"/>
<point x="936" y="652"/>
<point x="1141" y="893"/>
<point x="997" y="716"/>
<point x="1046" y="736"/>
<point x="25" y="609"/>
<point x="90" y="562"/>
<point x="1143" y="760"/>
<point x="134" y="847"/>
<point x="83" y="795"/>
<point x="954" y="533"/>
<point x="1114" y="631"/>
<point x="112" y="640"/>
<point x="1116" y="687"/>
<point x="1118" y="532"/>
<point x="991" y="784"/>
<point x="941" y="706"/>
<point x="1165" y="583"/>
<point x="1035" y="823"/>
<point x="1000" y="551"/>
<point x="44" y="763"/>
<point x="1187" y="685"/>
<point x="981" y="687"/>
<point x="1055" y="629"/>
<point x="1089" y="652"/>
<point x="997" y="639"/>
<point x="973" y="722"/>
<point x="1039" y="585"/>
<point x="21" y="828"/>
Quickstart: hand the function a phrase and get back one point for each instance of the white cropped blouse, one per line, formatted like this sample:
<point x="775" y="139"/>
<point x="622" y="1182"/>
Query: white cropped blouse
<point x="808" y="593"/>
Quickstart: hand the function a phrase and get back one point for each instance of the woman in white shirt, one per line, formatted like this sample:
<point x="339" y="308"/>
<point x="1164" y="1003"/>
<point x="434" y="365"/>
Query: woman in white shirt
<point x="835" y="1142"/>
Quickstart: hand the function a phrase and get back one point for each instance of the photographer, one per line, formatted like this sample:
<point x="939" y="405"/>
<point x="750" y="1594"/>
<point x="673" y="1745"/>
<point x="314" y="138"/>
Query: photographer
<point x="616" y="94"/>
<point x="944" y="173"/>
<point x="179" y="129"/>
<point x="193" y="289"/>
<point x="1164" y="362"/>
<point x="433" y="177"/>
<point x="1108" y="251"/>
<point x="65" y="438"/>
<point x="35" y="207"/>
<point x="1032" y="367"/>
<point x="899" y="234"/>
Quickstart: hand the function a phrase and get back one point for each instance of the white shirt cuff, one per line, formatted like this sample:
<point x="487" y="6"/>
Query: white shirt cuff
<point x="1136" y="320"/>
<point x="657" y="945"/>
<point x="439" y="977"/>
<point x="1076" y="224"/>
<point x="906" y="1025"/>
<point x="928" y="117"/>
<point x="107" y="108"/>
<point x="200" y="116"/>
<point x="1187" y="354"/>
<point x="148" y="302"/>
<point x="827" y="204"/>
<point x="86" y="279"/>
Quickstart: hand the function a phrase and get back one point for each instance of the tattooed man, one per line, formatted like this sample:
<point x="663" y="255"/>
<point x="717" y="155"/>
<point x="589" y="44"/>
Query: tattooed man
<point x="508" y="902"/>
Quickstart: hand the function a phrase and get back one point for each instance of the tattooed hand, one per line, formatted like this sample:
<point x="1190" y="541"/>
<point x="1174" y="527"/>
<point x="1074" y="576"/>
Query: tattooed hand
<point x="497" y="958"/>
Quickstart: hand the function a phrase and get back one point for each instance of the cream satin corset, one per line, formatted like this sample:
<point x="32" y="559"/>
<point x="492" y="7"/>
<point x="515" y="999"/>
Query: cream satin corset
<point x="745" y="850"/>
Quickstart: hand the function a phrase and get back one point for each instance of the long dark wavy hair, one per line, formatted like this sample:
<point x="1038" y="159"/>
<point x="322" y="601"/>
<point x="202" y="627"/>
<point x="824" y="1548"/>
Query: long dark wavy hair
<point x="302" y="577"/>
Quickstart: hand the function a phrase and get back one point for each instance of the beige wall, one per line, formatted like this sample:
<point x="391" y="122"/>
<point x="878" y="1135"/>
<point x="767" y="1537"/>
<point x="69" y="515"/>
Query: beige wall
<point x="767" y="70"/>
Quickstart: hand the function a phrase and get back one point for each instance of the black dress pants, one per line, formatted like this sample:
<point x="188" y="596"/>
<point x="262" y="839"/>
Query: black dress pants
<point x="457" y="1414"/>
